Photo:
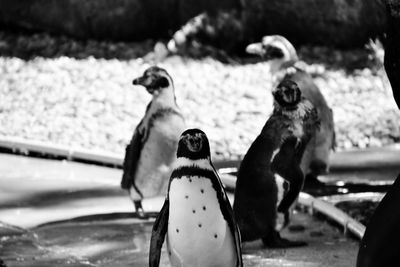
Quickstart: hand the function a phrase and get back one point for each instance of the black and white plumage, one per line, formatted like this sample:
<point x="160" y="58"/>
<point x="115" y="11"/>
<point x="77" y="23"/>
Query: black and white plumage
<point x="378" y="245"/>
<point x="282" y="59"/>
<point x="270" y="178"/>
<point x="151" y="152"/>
<point x="196" y="217"/>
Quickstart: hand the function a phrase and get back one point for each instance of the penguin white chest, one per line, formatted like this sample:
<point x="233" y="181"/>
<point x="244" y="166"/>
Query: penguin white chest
<point x="157" y="156"/>
<point x="198" y="234"/>
<point x="282" y="187"/>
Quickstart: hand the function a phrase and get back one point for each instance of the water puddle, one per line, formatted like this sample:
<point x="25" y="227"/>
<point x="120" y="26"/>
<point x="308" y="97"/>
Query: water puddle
<point x="119" y="240"/>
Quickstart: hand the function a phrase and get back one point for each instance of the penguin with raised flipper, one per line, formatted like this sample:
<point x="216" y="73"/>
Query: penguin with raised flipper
<point x="196" y="217"/>
<point x="284" y="64"/>
<point x="150" y="155"/>
<point x="273" y="161"/>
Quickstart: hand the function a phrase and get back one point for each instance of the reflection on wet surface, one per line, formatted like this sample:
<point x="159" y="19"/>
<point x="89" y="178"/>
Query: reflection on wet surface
<point x="125" y="242"/>
<point x="111" y="243"/>
<point x="105" y="232"/>
<point x="51" y="190"/>
<point x="115" y="243"/>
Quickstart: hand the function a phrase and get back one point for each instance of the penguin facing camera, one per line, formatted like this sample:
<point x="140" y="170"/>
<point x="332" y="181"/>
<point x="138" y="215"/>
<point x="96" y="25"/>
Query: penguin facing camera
<point x="196" y="217"/>
<point x="270" y="178"/>
<point x="282" y="59"/>
<point x="151" y="152"/>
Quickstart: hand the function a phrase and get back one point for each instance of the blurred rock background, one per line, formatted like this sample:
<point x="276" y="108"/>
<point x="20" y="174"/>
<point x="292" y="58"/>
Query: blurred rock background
<point x="343" y="23"/>
<point x="66" y="69"/>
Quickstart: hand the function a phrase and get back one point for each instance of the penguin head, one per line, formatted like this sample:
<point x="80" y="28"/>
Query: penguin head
<point x="287" y="95"/>
<point x="276" y="49"/>
<point x="154" y="79"/>
<point x="193" y="144"/>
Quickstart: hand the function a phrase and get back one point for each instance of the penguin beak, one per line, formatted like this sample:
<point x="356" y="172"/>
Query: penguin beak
<point x="146" y="82"/>
<point x="255" y="49"/>
<point x="139" y="81"/>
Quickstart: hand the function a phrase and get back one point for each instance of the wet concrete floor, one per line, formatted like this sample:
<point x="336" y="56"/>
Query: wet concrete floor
<point x="38" y="199"/>
<point x="125" y="242"/>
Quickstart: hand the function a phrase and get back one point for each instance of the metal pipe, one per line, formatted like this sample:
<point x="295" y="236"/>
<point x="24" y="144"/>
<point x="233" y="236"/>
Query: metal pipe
<point x="371" y="158"/>
<point x="333" y="213"/>
<point x="323" y="207"/>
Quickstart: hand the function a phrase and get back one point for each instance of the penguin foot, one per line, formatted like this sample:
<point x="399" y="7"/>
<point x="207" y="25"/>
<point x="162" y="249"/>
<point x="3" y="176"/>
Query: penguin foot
<point x="318" y="166"/>
<point x="139" y="209"/>
<point x="297" y="228"/>
<point x="274" y="240"/>
<point x="311" y="181"/>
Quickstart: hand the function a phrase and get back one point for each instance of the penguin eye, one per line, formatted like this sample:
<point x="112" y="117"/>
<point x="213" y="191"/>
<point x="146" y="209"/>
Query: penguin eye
<point x="274" y="52"/>
<point x="161" y="81"/>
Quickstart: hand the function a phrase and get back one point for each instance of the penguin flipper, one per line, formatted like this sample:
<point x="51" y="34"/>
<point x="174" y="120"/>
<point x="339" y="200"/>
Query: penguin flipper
<point x="227" y="212"/>
<point x="160" y="228"/>
<point x="132" y="155"/>
<point x="295" y="186"/>
<point x="287" y="164"/>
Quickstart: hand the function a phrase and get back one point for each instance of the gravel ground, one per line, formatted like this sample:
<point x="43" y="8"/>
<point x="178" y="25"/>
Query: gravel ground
<point x="79" y="93"/>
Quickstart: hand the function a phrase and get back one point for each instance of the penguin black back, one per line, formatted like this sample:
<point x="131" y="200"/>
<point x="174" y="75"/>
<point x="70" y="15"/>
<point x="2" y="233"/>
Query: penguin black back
<point x="256" y="190"/>
<point x="277" y="150"/>
<point x="378" y="245"/>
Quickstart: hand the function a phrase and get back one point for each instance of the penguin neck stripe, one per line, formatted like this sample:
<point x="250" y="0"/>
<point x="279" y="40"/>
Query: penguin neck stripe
<point x="184" y="153"/>
<point x="191" y="171"/>
<point x="165" y="112"/>
<point x="159" y="113"/>
<point x="198" y="163"/>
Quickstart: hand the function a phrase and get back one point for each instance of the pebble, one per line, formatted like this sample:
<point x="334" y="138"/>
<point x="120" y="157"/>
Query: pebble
<point x="75" y="98"/>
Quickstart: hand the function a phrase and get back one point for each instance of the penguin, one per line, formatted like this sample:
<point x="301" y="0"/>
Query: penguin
<point x="378" y="245"/>
<point x="217" y="33"/>
<point x="196" y="217"/>
<point x="269" y="179"/>
<point x="283" y="59"/>
<point x="150" y="155"/>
